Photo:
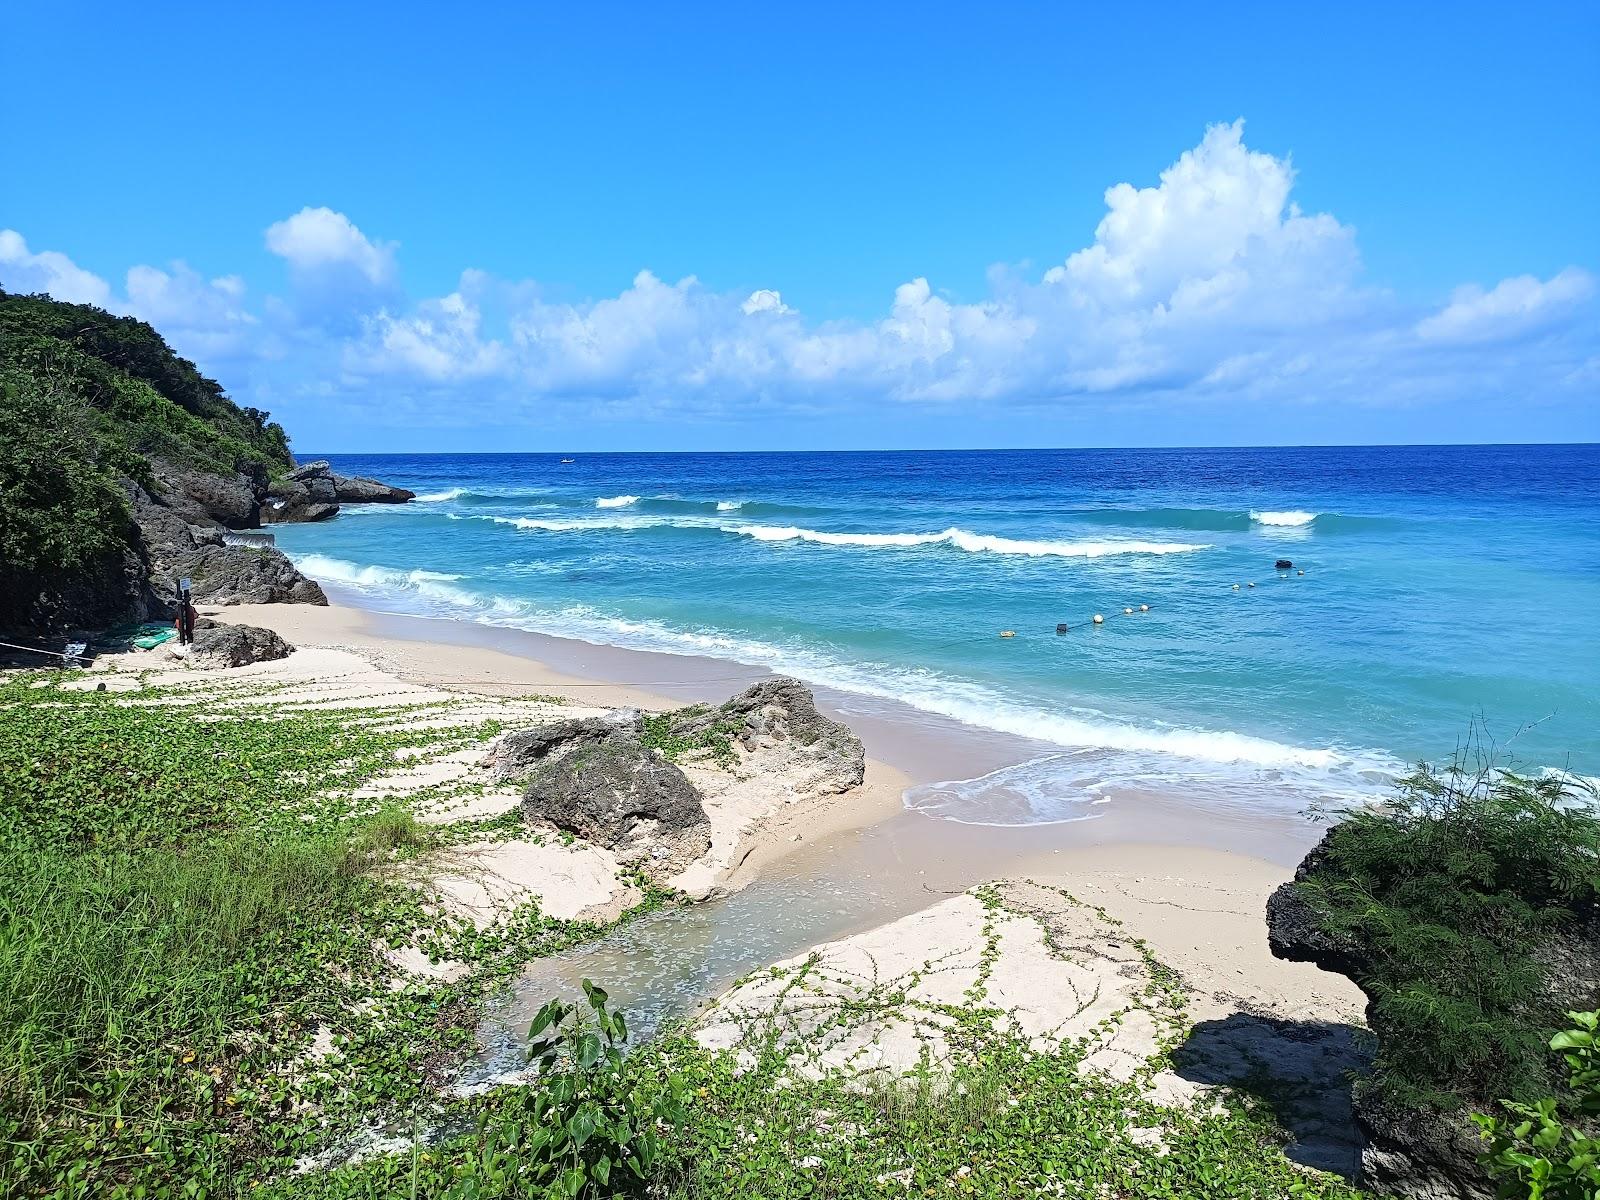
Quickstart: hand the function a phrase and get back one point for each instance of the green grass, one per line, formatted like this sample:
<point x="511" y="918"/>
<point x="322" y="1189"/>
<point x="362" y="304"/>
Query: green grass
<point x="189" y="893"/>
<point x="714" y="742"/>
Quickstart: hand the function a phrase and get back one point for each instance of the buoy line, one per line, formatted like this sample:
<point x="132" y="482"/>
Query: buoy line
<point x="1282" y="568"/>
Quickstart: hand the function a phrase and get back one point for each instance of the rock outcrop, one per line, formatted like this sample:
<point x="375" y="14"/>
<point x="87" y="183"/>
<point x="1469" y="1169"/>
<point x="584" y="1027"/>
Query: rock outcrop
<point x="597" y="778"/>
<point x="673" y="789"/>
<point x="289" y="500"/>
<point x="217" y="645"/>
<point x="220" y="574"/>
<point x="779" y="715"/>
<point x="208" y="498"/>
<point x="313" y="492"/>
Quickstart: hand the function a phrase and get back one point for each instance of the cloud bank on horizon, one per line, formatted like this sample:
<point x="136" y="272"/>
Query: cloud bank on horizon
<point x="1210" y="287"/>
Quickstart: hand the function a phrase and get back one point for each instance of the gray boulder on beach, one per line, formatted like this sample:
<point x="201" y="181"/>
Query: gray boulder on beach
<point x="605" y="779"/>
<point x="780" y="715"/>
<point x="597" y="778"/>
<point x="217" y="645"/>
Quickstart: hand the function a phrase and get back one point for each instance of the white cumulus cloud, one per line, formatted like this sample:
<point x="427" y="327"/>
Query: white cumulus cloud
<point x="1207" y="284"/>
<point x="317" y="239"/>
<point x="1511" y="308"/>
<point x="48" y="271"/>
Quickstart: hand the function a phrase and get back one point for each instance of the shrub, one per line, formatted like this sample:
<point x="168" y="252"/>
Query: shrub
<point x="586" y="1128"/>
<point x="1446" y="895"/>
<point x="1532" y="1153"/>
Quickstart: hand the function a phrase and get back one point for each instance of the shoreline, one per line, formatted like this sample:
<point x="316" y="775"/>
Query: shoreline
<point x="922" y="748"/>
<point x="1192" y="881"/>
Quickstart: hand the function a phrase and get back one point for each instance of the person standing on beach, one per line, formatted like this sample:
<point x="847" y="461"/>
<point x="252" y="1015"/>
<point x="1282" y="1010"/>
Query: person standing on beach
<point x="185" y="621"/>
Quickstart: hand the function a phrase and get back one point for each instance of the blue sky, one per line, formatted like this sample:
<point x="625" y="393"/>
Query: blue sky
<point x="411" y="227"/>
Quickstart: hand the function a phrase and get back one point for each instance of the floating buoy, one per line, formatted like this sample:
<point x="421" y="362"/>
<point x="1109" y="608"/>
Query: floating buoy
<point x="1062" y="627"/>
<point x="1236" y="587"/>
<point x="1251" y="584"/>
<point x="1146" y="607"/>
<point x="1299" y="572"/>
<point x="1099" y="620"/>
<point x="1127" y="612"/>
<point x="1008" y="633"/>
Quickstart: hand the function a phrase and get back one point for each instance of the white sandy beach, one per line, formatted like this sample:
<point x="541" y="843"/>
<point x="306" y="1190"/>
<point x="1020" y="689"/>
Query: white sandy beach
<point x="1198" y="903"/>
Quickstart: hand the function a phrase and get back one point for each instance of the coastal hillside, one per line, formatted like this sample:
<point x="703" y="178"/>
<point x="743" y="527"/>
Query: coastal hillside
<point x="122" y="467"/>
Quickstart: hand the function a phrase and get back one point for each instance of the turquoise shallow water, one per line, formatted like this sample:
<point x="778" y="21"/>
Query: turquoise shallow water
<point x="1441" y="586"/>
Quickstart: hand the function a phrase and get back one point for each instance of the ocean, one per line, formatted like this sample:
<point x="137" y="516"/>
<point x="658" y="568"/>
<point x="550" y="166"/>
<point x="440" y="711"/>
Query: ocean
<point x="1437" y="595"/>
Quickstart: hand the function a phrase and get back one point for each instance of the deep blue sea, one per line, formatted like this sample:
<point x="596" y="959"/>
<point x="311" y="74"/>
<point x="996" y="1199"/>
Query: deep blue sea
<point x="1432" y="588"/>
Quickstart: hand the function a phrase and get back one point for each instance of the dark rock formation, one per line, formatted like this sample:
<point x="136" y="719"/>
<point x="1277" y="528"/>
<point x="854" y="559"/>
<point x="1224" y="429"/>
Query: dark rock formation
<point x="289" y="500"/>
<point x="597" y="779"/>
<point x="218" y="645"/>
<point x="355" y="489"/>
<point x="326" y="486"/>
<point x="102" y="593"/>
<point x="603" y="779"/>
<point x="205" y="498"/>
<point x="781" y="713"/>
<point x="313" y="492"/>
<point x="175" y="549"/>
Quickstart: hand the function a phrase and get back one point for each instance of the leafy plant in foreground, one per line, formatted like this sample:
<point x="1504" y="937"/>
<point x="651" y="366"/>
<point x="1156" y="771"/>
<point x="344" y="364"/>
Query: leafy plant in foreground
<point x="586" y="1127"/>
<point x="1532" y="1153"/>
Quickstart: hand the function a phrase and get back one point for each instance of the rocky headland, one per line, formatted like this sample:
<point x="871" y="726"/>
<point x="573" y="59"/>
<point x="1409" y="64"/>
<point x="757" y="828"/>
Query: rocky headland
<point x="124" y="471"/>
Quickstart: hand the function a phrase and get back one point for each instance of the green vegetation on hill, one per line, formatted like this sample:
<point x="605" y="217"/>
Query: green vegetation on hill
<point x="86" y="400"/>
<point x="155" y="402"/>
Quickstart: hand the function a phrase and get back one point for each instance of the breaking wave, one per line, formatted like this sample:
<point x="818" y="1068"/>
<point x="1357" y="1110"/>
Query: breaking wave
<point x="973" y="542"/>
<point x="616" y="501"/>
<point x="1293" y="519"/>
<point x="565" y="524"/>
<point x="1102" y="755"/>
<point x="441" y="497"/>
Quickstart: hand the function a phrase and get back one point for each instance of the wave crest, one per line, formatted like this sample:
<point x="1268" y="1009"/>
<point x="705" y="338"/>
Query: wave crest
<point x="440" y="497"/>
<point x="616" y="501"/>
<point x="1294" y="518"/>
<point x="975" y="543"/>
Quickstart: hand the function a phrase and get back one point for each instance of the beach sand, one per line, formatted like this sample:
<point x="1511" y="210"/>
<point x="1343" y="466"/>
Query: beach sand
<point x="1192" y="882"/>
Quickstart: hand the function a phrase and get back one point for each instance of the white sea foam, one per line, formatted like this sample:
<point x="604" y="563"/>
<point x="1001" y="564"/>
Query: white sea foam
<point x="974" y="542"/>
<point x="564" y="524"/>
<point x="1072" y="786"/>
<point x="729" y="505"/>
<point x="1119" y="752"/>
<point x="440" y="497"/>
<point x="375" y="578"/>
<point x="1293" y="518"/>
<point x="616" y="501"/>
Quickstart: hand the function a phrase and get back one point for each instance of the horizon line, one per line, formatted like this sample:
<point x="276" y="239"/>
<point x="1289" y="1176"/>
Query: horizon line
<point x="984" y="449"/>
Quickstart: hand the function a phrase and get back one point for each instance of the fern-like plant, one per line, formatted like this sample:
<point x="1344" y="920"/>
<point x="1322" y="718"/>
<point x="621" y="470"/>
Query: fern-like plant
<point x="1445" y="896"/>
